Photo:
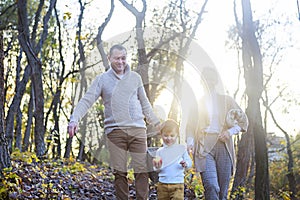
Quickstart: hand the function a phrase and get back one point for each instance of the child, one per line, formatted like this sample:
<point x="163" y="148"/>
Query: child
<point x="171" y="161"/>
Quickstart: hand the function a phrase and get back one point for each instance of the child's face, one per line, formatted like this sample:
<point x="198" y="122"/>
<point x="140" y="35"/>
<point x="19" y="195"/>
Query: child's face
<point x="170" y="137"/>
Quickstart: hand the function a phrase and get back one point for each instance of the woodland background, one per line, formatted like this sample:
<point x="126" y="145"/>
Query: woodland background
<point x="50" y="55"/>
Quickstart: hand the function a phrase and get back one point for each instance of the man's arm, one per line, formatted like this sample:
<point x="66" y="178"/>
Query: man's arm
<point x="84" y="104"/>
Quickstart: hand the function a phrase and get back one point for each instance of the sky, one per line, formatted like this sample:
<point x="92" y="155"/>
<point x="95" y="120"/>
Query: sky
<point x="211" y="36"/>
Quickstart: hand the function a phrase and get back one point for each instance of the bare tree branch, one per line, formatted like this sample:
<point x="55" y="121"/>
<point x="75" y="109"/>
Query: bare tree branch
<point x="132" y="9"/>
<point x="290" y="174"/>
<point x="162" y="43"/>
<point x="99" y="35"/>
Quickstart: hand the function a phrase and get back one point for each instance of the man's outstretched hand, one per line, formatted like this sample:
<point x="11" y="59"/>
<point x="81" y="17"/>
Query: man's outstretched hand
<point x="72" y="128"/>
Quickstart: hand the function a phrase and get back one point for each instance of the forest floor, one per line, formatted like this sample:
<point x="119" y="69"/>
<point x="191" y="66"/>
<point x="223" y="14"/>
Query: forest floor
<point x="48" y="179"/>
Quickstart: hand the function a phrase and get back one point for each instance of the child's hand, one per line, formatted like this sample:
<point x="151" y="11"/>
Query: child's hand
<point x="157" y="162"/>
<point x="183" y="164"/>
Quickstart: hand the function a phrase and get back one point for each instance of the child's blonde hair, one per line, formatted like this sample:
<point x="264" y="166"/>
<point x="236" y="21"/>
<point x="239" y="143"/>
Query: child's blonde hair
<point x="169" y="125"/>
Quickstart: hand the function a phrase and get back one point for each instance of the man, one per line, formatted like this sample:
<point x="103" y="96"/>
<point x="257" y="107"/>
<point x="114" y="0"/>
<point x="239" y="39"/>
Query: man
<point x="209" y="136"/>
<point x="126" y="106"/>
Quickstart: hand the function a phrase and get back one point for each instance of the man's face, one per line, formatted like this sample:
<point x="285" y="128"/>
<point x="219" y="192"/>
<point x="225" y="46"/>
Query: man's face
<point x="118" y="60"/>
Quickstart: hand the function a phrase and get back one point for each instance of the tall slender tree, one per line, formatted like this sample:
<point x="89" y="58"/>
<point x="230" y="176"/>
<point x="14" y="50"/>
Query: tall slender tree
<point x="253" y="72"/>
<point x="245" y="153"/>
<point x="32" y="47"/>
<point x="143" y="63"/>
<point x="83" y="80"/>
<point x="290" y="166"/>
<point x="4" y="152"/>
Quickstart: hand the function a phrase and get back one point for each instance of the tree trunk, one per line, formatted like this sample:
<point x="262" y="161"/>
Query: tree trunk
<point x="4" y="152"/>
<point x="56" y="132"/>
<point x="18" y="129"/>
<point x="28" y="126"/>
<point x="244" y="157"/>
<point x="32" y="49"/>
<point x="36" y="76"/>
<point x="19" y="114"/>
<point x="39" y="128"/>
<point x="252" y="63"/>
<point x="83" y="82"/>
<point x="291" y="175"/>
<point x="56" y="101"/>
<point x="290" y="167"/>
<point x="68" y="148"/>
<point x="143" y="63"/>
<point x="10" y="118"/>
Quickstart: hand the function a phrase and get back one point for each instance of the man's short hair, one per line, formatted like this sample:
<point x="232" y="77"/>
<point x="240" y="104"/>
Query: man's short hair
<point x="117" y="46"/>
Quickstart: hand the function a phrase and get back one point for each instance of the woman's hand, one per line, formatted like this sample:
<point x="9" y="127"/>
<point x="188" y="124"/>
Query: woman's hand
<point x="225" y="135"/>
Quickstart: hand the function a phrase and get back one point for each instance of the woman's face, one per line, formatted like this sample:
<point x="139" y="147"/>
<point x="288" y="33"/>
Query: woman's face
<point x="211" y="78"/>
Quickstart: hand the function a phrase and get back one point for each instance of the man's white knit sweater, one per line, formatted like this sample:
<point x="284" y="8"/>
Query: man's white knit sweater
<point x="124" y="98"/>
